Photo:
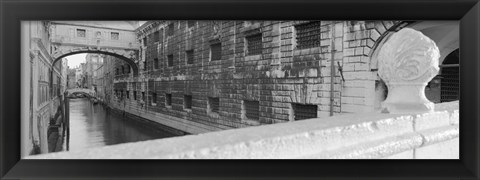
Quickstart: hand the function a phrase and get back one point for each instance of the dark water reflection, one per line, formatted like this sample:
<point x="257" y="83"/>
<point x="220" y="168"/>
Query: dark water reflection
<point x="94" y="126"/>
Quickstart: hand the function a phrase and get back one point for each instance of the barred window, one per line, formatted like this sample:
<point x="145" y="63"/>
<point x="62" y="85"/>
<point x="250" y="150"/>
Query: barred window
<point x="170" y="30"/>
<point x="216" y="51"/>
<point x="123" y="70"/>
<point x="156" y="36"/>
<point x="308" y="35"/>
<point x="187" y="101"/>
<point x="190" y="24"/>
<point x="189" y="55"/>
<point x="115" y="35"/>
<point x="154" y="98"/>
<point x="168" y="99"/>
<point x="301" y="111"/>
<point x="214" y="104"/>
<point x="251" y="109"/>
<point x="155" y="61"/>
<point x="134" y="95"/>
<point x="81" y="33"/>
<point x="254" y="44"/>
<point x="170" y="60"/>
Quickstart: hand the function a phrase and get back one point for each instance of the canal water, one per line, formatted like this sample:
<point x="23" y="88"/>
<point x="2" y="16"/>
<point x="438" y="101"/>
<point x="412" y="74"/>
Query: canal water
<point x="94" y="126"/>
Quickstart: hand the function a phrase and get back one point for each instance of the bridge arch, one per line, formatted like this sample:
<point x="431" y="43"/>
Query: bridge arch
<point x="129" y="57"/>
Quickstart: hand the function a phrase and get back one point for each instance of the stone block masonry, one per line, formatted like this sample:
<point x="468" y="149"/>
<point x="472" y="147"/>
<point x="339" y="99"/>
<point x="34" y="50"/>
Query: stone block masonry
<point x="290" y="65"/>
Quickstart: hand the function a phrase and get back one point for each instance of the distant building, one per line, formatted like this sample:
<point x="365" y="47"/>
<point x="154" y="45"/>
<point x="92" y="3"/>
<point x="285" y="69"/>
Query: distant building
<point x="79" y="76"/>
<point x="98" y="81"/>
<point x="72" y="82"/>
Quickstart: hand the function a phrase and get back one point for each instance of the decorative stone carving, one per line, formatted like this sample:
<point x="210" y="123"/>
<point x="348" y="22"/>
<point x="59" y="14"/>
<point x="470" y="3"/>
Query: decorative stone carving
<point x="407" y="62"/>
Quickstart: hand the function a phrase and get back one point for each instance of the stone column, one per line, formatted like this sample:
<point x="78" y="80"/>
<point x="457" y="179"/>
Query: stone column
<point x="407" y="62"/>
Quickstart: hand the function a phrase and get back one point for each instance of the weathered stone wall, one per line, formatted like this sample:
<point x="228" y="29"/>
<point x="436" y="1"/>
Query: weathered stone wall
<point x="280" y="75"/>
<point x="42" y="82"/>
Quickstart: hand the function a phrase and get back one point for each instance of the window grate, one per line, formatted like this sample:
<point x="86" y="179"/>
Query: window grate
<point x="254" y="44"/>
<point x="168" y="99"/>
<point x="155" y="61"/>
<point x="214" y="104"/>
<point x="154" y="97"/>
<point x="170" y="29"/>
<point x="301" y="111"/>
<point x="308" y="35"/>
<point x="216" y="51"/>
<point x="187" y="101"/>
<point x="156" y="36"/>
<point x="449" y="87"/>
<point x="251" y="109"/>
<point x="115" y="35"/>
<point x="81" y="33"/>
<point x="170" y="60"/>
<point x="189" y="56"/>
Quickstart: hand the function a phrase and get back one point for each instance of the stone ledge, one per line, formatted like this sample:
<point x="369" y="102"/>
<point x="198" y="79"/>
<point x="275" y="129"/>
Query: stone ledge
<point x="391" y="146"/>
<point x="367" y="135"/>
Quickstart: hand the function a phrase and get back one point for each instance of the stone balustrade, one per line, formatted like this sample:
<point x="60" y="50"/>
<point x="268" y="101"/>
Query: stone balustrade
<point x="429" y="135"/>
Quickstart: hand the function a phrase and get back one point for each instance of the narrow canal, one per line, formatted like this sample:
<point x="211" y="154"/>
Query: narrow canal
<point x="94" y="126"/>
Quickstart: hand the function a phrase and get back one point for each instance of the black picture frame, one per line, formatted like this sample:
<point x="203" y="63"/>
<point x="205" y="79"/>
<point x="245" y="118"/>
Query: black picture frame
<point x="13" y="11"/>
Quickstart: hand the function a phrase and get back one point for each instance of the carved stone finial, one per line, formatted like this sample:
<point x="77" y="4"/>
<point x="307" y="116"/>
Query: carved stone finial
<point x="407" y="62"/>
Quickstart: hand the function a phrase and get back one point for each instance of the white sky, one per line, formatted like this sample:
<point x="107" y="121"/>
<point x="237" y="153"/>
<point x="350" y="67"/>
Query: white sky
<point x="75" y="60"/>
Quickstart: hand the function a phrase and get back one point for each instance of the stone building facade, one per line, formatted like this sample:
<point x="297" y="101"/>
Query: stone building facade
<point x="43" y="84"/>
<point x="201" y="76"/>
<point x="71" y="83"/>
